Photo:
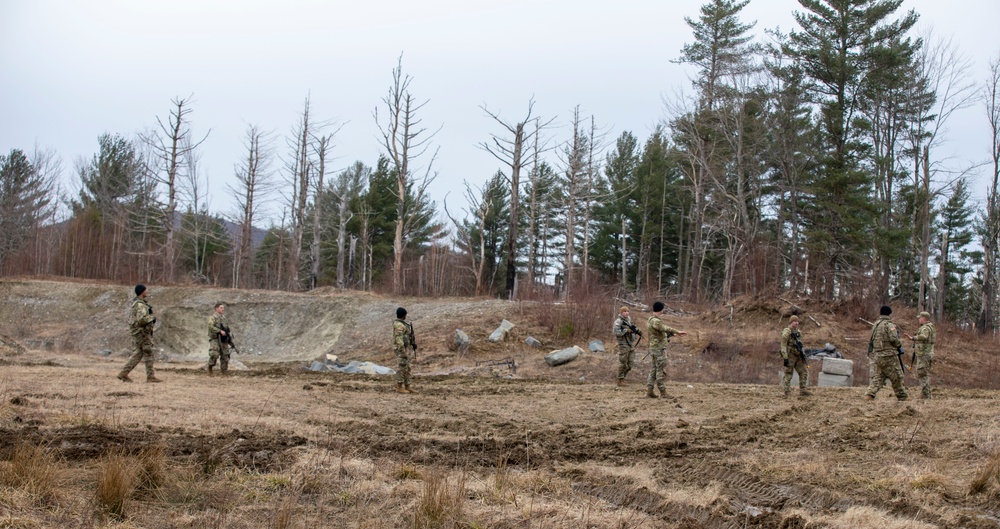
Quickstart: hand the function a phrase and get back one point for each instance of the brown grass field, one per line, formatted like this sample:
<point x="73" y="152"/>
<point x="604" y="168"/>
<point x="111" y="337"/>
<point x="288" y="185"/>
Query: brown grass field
<point x="477" y="447"/>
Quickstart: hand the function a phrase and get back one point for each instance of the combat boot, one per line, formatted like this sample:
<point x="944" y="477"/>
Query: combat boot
<point x="210" y="373"/>
<point x="123" y="376"/>
<point x="663" y="393"/>
<point x="803" y="392"/>
<point x="400" y="388"/>
<point x="650" y="393"/>
<point x="408" y="389"/>
<point x="152" y="379"/>
<point x="621" y="382"/>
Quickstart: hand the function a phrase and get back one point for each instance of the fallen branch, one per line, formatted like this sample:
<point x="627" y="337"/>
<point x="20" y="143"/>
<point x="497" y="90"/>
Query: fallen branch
<point x="814" y="320"/>
<point x="794" y="306"/>
<point x="866" y="321"/>
<point x="640" y="306"/>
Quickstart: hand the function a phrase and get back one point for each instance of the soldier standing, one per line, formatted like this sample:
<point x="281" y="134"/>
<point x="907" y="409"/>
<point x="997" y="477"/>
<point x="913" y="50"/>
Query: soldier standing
<point x="659" y="335"/>
<point x="141" y="321"/>
<point x="219" y="347"/>
<point x="402" y="341"/>
<point x="924" y="344"/>
<point x="794" y="358"/>
<point x="885" y="347"/>
<point x="623" y="329"/>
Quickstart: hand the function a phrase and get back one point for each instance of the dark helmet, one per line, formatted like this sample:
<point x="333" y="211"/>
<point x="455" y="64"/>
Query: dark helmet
<point x="400" y="313"/>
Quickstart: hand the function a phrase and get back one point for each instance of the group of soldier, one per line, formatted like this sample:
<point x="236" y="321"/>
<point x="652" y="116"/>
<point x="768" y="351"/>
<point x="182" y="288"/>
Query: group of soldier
<point x="884" y="348"/>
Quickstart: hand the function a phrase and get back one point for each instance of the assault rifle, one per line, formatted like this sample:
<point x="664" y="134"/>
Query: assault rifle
<point x="228" y="338"/>
<point x="635" y="330"/>
<point x="413" y="338"/>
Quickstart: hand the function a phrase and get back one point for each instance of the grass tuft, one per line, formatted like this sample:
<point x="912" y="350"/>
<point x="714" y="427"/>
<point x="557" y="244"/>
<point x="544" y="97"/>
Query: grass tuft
<point x="33" y="469"/>
<point x="117" y="479"/>
<point x="989" y="475"/>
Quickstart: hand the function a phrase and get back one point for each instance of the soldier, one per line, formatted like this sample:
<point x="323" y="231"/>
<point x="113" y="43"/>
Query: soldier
<point x="623" y="329"/>
<point x="793" y="358"/>
<point x="219" y="347"/>
<point x="402" y="341"/>
<point x="659" y="335"/>
<point x="884" y="346"/>
<point x="923" y="342"/>
<point x="141" y="321"/>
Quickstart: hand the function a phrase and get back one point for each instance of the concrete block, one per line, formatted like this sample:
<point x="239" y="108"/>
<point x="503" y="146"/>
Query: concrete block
<point x="838" y="366"/>
<point x="835" y="381"/>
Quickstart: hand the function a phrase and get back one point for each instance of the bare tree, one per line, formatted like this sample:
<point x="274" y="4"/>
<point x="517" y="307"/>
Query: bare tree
<point x="511" y="151"/>
<point x="322" y="147"/>
<point x="253" y="186"/>
<point x="170" y="143"/>
<point x="348" y="186"/>
<point x="300" y="170"/>
<point x="574" y="184"/>
<point x="479" y="210"/>
<point x="990" y="236"/>
<point x="404" y="140"/>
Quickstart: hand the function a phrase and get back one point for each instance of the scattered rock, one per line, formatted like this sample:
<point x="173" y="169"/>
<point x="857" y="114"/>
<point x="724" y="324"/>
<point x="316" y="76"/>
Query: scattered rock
<point x="532" y="341"/>
<point x="459" y="341"/>
<point x="597" y="346"/>
<point x="562" y="356"/>
<point x="500" y="334"/>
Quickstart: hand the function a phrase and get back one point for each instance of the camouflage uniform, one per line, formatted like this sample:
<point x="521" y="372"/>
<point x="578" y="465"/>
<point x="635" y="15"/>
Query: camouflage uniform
<point x="885" y="348"/>
<point x="626" y="352"/>
<point x="924" y="342"/>
<point x="217" y="349"/>
<point x="659" y="335"/>
<point x="402" y="344"/>
<point x="791" y="342"/>
<point x="141" y="322"/>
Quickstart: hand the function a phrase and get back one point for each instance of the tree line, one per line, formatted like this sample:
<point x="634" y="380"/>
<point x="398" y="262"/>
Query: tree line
<point x="808" y="161"/>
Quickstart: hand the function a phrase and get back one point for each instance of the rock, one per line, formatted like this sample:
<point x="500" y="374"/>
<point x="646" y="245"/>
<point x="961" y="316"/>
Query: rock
<point x="367" y="368"/>
<point x="596" y="346"/>
<point x="104" y="352"/>
<point x="562" y="356"/>
<point x="459" y="342"/>
<point x="500" y="334"/>
<point x="318" y="366"/>
<point x="236" y="365"/>
<point x="330" y="359"/>
<point x="532" y="341"/>
<point x="838" y="366"/>
<point x="837" y="381"/>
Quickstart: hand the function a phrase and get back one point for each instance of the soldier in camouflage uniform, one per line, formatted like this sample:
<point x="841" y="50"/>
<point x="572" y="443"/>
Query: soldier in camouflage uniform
<point x="793" y="359"/>
<point x="141" y="321"/>
<point x="924" y="343"/>
<point x="402" y="343"/>
<point x="626" y="349"/>
<point x="884" y="349"/>
<point x="217" y="348"/>
<point x="659" y="335"/>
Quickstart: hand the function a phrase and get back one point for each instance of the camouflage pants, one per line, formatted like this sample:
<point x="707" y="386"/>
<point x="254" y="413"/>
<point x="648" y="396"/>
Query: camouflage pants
<point x="798" y="364"/>
<point x="402" y="367"/>
<point x="142" y="351"/>
<point x="657" y="375"/>
<point x="626" y="356"/>
<point x="220" y="355"/>
<point x="923" y="368"/>
<point x="887" y="367"/>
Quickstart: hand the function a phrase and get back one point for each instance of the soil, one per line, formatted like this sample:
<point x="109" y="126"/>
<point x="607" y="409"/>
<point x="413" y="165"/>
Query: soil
<point x="715" y="455"/>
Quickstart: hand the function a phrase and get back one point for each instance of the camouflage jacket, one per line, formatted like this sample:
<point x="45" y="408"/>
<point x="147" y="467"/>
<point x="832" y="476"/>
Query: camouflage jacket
<point x="141" y="317"/>
<point x="925" y="338"/>
<point x="885" y="338"/>
<point x="790" y="341"/>
<point x="622" y="330"/>
<point x="659" y="333"/>
<point x="215" y="324"/>
<point x="401" y="336"/>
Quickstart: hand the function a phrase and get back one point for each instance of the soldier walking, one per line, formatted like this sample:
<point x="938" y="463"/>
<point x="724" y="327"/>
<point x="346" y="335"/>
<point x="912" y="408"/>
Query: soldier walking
<point x="659" y="335"/>
<point x="885" y="347"/>
<point x="141" y="321"/>
<point x="923" y="341"/>
<point x="793" y="357"/>
<point x="623" y="329"/>
<point x="219" y="347"/>
<point x="402" y="342"/>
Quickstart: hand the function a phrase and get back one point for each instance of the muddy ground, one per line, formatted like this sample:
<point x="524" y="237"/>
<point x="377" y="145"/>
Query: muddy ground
<point x="276" y="446"/>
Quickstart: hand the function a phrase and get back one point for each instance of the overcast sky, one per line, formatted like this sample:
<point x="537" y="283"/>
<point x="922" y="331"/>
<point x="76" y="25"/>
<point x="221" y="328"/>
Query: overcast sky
<point x="71" y="70"/>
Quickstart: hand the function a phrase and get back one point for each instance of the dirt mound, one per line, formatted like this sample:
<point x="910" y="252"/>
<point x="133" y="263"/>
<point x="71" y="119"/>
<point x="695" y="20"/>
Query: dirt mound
<point x="9" y="347"/>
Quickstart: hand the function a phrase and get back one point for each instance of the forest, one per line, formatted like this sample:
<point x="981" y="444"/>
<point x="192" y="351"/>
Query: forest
<point x="809" y="161"/>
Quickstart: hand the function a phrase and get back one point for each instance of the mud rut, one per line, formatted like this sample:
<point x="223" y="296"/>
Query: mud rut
<point x="472" y="423"/>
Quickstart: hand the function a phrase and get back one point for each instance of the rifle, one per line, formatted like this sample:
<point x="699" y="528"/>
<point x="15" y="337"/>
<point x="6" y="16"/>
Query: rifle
<point x="413" y="338"/>
<point x="635" y="330"/>
<point x="228" y="338"/>
<point x="899" y="356"/>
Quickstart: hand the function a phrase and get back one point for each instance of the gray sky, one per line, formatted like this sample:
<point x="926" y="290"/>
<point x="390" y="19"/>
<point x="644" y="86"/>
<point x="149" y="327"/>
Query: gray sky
<point x="70" y="71"/>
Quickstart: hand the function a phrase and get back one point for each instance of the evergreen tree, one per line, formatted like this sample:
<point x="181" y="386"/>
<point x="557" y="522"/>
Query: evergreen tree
<point x="24" y="195"/>
<point x="609" y="250"/>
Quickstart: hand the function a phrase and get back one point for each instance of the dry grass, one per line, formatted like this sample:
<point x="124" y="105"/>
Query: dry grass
<point x="34" y="469"/>
<point x="117" y="480"/>
<point x="988" y="476"/>
<point x="441" y="503"/>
